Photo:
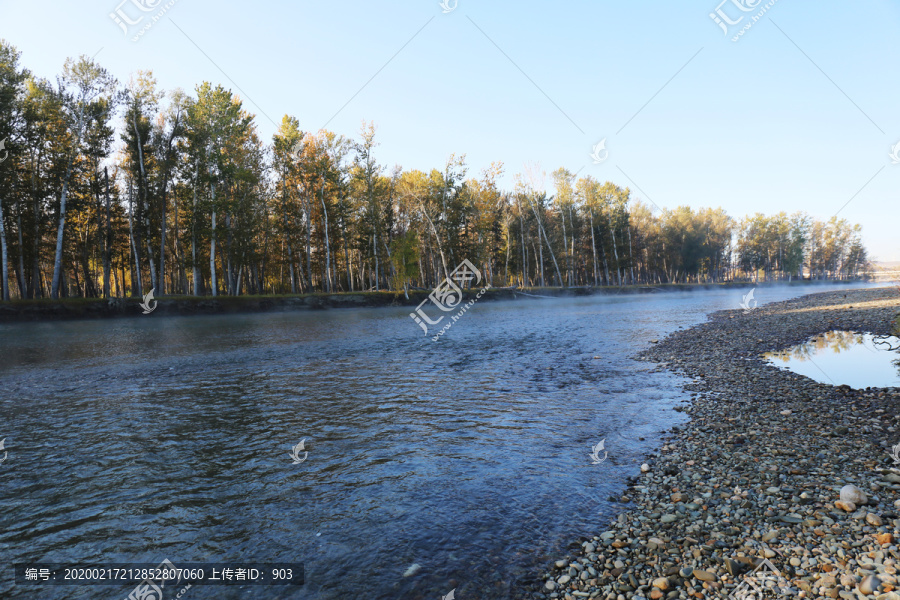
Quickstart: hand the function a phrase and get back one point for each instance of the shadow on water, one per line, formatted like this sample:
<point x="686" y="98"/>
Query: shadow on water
<point x="141" y="439"/>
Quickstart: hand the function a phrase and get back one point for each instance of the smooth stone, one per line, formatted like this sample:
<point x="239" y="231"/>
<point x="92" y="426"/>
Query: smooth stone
<point x="851" y="493"/>
<point x="869" y="585"/>
<point x="550" y="586"/>
<point x="645" y="468"/>
<point x="668" y="518"/>
<point x="661" y="583"/>
<point x="845" y="506"/>
<point x="734" y="568"/>
<point x="874" y="520"/>
<point x="564" y="580"/>
<point x="412" y="570"/>
<point x="704" y="575"/>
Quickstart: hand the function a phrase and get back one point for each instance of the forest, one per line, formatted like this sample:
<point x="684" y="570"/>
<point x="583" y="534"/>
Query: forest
<point x="111" y="189"/>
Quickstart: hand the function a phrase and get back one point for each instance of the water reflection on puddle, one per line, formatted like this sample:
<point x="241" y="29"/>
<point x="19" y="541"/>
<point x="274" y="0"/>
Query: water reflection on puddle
<point x="859" y="360"/>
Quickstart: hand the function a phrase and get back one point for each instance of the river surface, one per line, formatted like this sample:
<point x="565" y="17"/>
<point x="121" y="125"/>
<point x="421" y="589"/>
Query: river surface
<point x="141" y="439"/>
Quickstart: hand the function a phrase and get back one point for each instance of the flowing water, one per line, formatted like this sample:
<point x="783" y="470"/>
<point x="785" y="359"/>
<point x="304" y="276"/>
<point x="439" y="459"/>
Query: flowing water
<point x="139" y="439"/>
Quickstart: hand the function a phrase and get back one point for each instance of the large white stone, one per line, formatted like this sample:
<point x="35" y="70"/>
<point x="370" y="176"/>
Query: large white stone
<point x="851" y="493"/>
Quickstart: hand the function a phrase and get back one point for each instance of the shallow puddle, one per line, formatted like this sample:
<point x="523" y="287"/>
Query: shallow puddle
<point x="859" y="360"/>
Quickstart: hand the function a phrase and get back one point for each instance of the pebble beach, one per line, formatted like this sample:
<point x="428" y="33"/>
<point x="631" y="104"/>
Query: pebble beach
<point x="777" y="486"/>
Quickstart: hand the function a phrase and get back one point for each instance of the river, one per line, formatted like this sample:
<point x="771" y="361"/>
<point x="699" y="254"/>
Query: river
<point x="139" y="439"/>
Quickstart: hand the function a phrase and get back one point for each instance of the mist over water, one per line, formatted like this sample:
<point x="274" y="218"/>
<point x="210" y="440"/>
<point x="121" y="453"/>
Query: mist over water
<point x="135" y="440"/>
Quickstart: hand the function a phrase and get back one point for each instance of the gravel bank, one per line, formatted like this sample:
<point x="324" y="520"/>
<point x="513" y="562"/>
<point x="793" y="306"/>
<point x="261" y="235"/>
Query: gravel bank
<point x="758" y="472"/>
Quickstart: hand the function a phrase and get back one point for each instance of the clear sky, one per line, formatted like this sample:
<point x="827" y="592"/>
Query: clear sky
<point x="800" y="113"/>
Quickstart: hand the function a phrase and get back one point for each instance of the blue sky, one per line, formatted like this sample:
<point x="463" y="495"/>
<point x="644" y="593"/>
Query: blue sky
<point x="799" y="114"/>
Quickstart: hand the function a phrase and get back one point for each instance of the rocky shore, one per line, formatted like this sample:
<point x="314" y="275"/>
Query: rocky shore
<point x="757" y="473"/>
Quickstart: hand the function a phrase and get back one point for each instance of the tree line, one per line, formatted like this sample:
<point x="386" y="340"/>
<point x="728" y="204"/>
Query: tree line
<point x="114" y="188"/>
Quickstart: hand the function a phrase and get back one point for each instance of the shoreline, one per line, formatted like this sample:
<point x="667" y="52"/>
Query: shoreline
<point x="99" y="308"/>
<point x="757" y="470"/>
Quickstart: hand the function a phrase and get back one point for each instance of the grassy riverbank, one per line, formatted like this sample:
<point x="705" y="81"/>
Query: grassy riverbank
<point x="757" y="471"/>
<point x="95" y="308"/>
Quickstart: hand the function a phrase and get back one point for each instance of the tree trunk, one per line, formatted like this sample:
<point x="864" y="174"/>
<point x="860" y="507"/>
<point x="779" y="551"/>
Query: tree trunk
<point x="593" y="247"/>
<point x="552" y="255"/>
<point x="137" y="284"/>
<point x="152" y="262"/>
<point x="57" y="261"/>
<point x="287" y="236"/>
<point x="308" y="244"/>
<point x="508" y="246"/>
<point x="612" y="232"/>
<point x="327" y="245"/>
<point x="143" y="202"/>
<point x="195" y="267"/>
<point x="162" y="237"/>
<point x="605" y="263"/>
<point x="562" y="216"/>
<point x="213" y="284"/>
<point x="437" y="240"/>
<point x="230" y="279"/>
<point x="5" y="273"/>
<point x="23" y="284"/>
<point x="107" y="239"/>
<point x="347" y="258"/>
<point x="631" y="255"/>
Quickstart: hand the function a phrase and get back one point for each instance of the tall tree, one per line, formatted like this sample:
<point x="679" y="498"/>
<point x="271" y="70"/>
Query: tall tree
<point x="83" y="82"/>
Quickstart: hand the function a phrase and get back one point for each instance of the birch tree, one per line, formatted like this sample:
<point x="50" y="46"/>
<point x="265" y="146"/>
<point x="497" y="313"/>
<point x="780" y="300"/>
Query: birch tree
<point x="83" y="81"/>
